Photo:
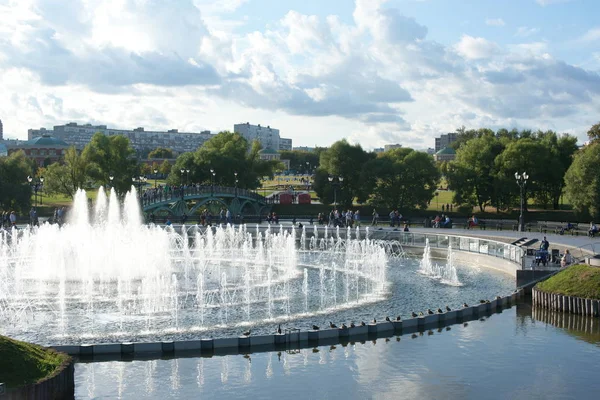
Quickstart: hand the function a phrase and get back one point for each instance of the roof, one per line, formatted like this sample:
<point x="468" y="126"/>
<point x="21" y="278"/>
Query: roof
<point x="268" y="151"/>
<point x="45" y="140"/>
<point x="447" y="151"/>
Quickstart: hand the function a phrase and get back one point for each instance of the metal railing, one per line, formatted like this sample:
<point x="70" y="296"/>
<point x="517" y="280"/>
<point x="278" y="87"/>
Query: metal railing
<point x="160" y="195"/>
<point x="488" y="247"/>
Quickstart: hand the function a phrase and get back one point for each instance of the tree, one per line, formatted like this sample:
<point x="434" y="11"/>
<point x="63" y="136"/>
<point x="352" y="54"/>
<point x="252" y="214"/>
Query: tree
<point x="345" y="160"/>
<point x="583" y="181"/>
<point x="298" y="160"/>
<point x="401" y="178"/>
<point x="471" y="174"/>
<point x="67" y="176"/>
<point x="561" y="150"/>
<point x="111" y="156"/>
<point x="15" y="192"/>
<point x="161" y="152"/>
<point x="226" y="153"/>
<point x="594" y="133"/>
<point x="165" y="168"/>
<point x="523" y="155"/>
<point x="145" y="169"/>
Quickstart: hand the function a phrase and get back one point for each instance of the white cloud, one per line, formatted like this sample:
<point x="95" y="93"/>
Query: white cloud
<point x="532" y="48"/>
<point x="592" y="35"/>
<point x="474" y="48"/>
<point x="495" y="22"/>
<point x="376" y="79"/>
<point x="524" y="31"/>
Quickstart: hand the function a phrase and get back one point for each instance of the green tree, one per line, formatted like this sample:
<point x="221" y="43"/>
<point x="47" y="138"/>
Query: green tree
<point x="15" y="192"/>
<point x="401" y="178"/>
<point x="299" y="160"/>
<point x="345" y="160"/>
<point x="161" y="152"/>
<point x="165" y="168"/>
<point x="226" y="153"/>
<point x="471" y="174"/>
<point x="561" y="150"/>
<point x="523" y="155"/>
<point x="583" y="181"/>
<point x="111" y="155"/>
<point x="67" y="176"/>
<point x="145" y="169"/>
<point x="594" y="133"/>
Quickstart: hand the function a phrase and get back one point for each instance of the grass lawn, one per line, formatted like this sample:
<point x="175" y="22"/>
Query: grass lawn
<point x="579" y="280"/>
<point x="444" y="197"/>
<point x="24" y="363"/>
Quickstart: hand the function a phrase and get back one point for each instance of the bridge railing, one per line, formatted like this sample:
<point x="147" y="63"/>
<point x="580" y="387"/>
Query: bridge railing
<point x="159" y="195"/>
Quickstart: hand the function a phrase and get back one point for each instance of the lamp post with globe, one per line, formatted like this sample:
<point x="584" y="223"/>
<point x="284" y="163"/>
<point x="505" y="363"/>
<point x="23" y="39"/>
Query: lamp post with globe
<point x="335" y="182"/>
<point x="522" y="182"/>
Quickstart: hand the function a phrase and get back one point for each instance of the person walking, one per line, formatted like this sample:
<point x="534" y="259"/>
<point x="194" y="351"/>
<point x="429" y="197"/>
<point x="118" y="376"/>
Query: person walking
<point x="32" y="216"/>
<point x="13" y="219"/>
<point x="375" y="217"/>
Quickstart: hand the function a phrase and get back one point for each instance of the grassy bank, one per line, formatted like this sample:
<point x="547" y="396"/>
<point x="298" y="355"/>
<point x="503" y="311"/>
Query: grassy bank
<point x="24" y="363"/>
<point x="579" y="280"/>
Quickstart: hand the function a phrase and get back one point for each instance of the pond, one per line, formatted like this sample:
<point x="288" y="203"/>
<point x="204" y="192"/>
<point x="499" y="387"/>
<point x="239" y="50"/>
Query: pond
<point x="518" y="354"/>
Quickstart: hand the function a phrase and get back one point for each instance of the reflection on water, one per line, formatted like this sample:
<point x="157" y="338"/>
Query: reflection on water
<point x="518" y="354"/>
<point x="580" y="326"/>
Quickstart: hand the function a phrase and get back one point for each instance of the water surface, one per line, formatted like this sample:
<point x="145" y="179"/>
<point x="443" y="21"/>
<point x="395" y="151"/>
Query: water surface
<point x="513" y="355"/>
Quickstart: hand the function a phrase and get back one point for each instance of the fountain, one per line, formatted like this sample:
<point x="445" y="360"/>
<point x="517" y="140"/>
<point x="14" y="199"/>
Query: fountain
<point x="106" y="276"/>
<point x="445" y="273"/>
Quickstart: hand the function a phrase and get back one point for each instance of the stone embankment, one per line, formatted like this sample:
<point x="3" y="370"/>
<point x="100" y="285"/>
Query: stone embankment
<point x="289" y="339"/>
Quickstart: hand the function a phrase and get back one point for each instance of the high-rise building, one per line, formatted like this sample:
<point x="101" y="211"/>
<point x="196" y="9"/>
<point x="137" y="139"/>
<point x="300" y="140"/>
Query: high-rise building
<point x="444" y="140"/>
<point x="285" y="144"/>
<point x="304" y="148"/>
<point x="389" y="147"/>
<point x="267" y="136"/>
<point x="1" y="131"/>
<point x="141" y="140"/>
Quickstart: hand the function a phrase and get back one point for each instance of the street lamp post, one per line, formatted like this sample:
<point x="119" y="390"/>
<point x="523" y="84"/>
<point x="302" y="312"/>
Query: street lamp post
<point x="264" y="185"/>
<point x="41" y="188"/>
<point x="155" y="178"/>
<point x="522" y="182"/>
<point x="213" y="175"/>
<point x="236" y="183"/>
<point x="111" y="177"/>
<point x="140" y="180"/>
<point x="437" y="203"/>
<point x="187" y="172"/>
<point x="35" y="186"/>
<point x="335" y="182"/>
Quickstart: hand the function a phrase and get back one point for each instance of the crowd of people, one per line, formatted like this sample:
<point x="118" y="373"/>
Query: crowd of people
<point x="9" y="219"/>
<point x="347" y="218"/>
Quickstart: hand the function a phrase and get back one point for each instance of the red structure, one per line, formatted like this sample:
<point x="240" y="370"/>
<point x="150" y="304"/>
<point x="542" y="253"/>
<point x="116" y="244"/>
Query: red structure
<point x="304" y="198"/>
<point x="285" y="198"/>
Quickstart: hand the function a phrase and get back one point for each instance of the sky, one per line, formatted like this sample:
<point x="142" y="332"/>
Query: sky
<point x="374" y="72"/>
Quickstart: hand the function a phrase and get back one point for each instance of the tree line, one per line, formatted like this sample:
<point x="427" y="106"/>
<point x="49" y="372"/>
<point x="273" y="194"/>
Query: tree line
<point x="481" y="176"/>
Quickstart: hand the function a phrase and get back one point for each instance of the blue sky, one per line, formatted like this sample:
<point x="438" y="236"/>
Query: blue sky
<point x="371" y="71"/>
